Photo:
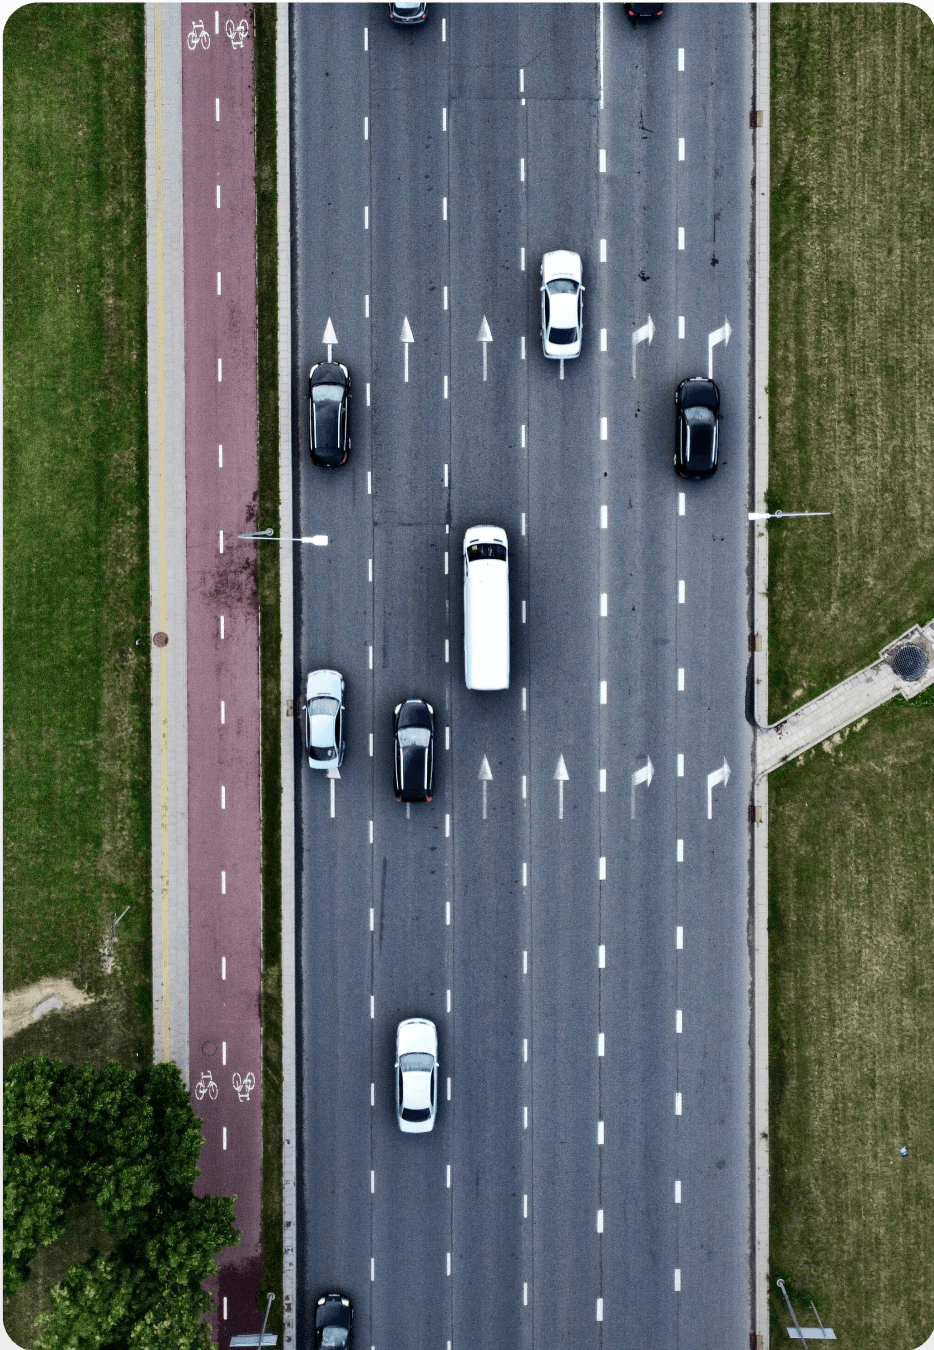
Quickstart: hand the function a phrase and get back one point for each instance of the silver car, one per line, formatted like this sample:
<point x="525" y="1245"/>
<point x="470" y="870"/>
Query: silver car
<point x="416" y="1075"/>
<point x="562" y="304"/>
<point x="324" y="719"/>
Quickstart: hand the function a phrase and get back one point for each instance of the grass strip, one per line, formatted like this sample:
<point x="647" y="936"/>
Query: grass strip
<point x="75" y="506"/>
<point x="851" y="932"/>
<point x="270" y="644"/>
<point x="851" y="338"/>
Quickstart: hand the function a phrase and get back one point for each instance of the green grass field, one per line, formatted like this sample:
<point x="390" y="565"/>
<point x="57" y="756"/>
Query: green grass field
<point x="76" y="688"/>
<point x="851" y="338"/>
<point x="851" y="836"/>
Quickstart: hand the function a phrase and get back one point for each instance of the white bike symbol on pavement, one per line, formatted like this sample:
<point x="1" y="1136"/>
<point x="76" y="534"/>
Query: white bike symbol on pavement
<point x="206" y="1087"/>
<point x="238" y="34"/>
<point x="198" y="34"/>
<point x="244" y="1086"/>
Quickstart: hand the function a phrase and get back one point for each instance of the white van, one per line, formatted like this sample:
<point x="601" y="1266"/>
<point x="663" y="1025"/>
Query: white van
<point x="486" y="608"/>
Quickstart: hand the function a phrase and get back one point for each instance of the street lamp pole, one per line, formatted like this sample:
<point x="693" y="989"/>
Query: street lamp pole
<point x="320" y="539"/>
<point x="781" y="1285"/>
<point x="784" y="515"/>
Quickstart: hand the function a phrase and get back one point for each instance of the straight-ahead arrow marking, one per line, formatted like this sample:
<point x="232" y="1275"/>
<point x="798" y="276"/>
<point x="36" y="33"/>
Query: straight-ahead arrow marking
<point x="406" y="337"/>
<point x="721" y="775"/>
<point x="333" y="774"/>
<point x="486" y="776"/>
<point x="330" y="337"/>
<point x="484" y="336"/>
<point x="561" y="777"/>
<point x="643" y="775"/>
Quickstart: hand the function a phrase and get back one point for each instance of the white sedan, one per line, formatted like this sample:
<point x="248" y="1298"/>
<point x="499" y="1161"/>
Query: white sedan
<point x="562" y="304"/>
<point x="416" y="1075"/>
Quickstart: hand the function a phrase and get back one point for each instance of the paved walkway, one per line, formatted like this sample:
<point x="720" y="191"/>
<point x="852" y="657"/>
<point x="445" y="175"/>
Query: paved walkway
<point x="845" y="703"/>
<point x="203" y="480"/>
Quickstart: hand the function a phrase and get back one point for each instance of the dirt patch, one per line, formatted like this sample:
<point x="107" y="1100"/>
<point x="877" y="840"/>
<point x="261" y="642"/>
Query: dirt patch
<point x="22" y="1007"/>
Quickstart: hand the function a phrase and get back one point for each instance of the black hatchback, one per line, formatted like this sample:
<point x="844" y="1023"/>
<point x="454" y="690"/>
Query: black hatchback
<point x="333" y="1320"/>
<point x="413" y="750"/>
<point x="697" y="401"/>
<point x="329" y="414"/>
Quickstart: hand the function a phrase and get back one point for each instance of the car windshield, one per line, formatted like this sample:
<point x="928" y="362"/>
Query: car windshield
<point x="562" y="286"/>
<point x="416" y="1062"/>
<point x="323" y="706"/>
<point x="327" y="393"/>
<point x="412" y="1113"/>
<point x="410" y="737"/>
<point x="562" y="337"/>
<point x="332" y="1337"/>
<point x="478" y="552"/>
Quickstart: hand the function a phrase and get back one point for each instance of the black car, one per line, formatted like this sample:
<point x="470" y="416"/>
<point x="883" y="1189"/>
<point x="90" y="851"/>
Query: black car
<point x="644" y="11"/>
<point x="697" y="401"/>
<point x="329" y="413"/>
<point x="333" y="1320"/>
<point x="408" y="11"/>
<point x="413" y="750"/>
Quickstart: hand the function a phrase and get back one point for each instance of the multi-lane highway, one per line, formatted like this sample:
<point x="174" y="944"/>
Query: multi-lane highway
<point x="584" y="946"/>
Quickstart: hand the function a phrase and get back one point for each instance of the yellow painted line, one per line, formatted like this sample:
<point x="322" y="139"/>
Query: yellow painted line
<point x="162" y="652"/>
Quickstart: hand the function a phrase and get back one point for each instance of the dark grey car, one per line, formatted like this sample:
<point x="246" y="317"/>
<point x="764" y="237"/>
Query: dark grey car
<point x="333" y="1320"/>
<point x="329" y="413"/>
<point x="697" y="401"/>
<point x="413" y="750"/>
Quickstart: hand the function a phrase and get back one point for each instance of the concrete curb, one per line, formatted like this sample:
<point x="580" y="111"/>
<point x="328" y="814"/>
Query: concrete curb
<point x="168" y="570"/>
<point x="761" y="690"/>
<point x="286" y="676"/>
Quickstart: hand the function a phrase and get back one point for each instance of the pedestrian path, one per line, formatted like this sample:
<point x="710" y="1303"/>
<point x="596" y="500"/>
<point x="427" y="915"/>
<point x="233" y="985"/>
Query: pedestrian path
<point x="207" y="903"/>
<point x="905" y="667"/>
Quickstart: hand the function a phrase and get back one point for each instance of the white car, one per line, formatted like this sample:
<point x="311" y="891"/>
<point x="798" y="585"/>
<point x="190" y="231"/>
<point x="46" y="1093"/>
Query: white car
<point x="562" y="304"/>
<point x="324" y="719"/>
<point x="416" y="1075"/>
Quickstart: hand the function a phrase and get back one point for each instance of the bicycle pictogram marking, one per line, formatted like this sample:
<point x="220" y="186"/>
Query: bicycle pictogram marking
<point x="238" y="34"/>
<point x="244" y="1086"/>
<point x="206" y="1087"/>
<point x="198" y="34"/>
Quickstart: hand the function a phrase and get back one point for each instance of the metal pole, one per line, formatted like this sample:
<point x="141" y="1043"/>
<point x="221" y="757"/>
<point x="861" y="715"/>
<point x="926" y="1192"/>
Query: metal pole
<point x="819" y="1322"/>
<point x="269" y="1299"/>
<point x="781" y="1285"/>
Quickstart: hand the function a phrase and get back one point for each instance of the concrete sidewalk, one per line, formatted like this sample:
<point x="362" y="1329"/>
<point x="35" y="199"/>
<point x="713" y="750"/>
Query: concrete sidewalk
<point x="848" y="701"/>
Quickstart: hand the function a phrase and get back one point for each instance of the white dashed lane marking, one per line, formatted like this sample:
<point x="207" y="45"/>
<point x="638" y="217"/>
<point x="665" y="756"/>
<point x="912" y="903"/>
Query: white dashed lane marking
<point x="679" y="938"/>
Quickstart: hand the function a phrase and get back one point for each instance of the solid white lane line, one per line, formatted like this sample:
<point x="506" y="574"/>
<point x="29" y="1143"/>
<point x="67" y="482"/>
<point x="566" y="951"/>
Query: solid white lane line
<point x="680" y="325"/>
<point x="677" y="1103"/>
<point x="680" y="766"/>
<point x="603" y="339"/>
<point x="521" y="259"/>
<point x="603" y="250"/>
<point x="681" y="504"/>
<point x="600" y="1134"/>
<point x="680" y="850"/>
<point x="601" y="1044"/>
<point x="222" y="625"/>
<point x="680" y="58"/>
<point x="525" y="963"/>
<point x="680" y="147"/>
<point x="525" y="1051"/>
<point x="603" y="691"/>
<point x="225" y="1136"/>
<point x="677" y="1280"/>
<point x="678" y="1021"/>
<point x="444" y="119"/>
<point x="372" y="1006"/>
<point x="679" y="938"/>
<point x="677" y="1192"/>
<point x="220" y="370"/>
<point x="601" y="870"/>
<point x="603" y="605"/>
<point x="604" y="428"/>
<point x="604" y="518"/>
<point x="524" y="787"/>
<point x="218" y="196"/>
<point x="601" y="957"/>
<point x="223" y="883"/>
<point x="681" y="679"/>
<point x="366" y="128"/>
<point x="599" y="1220"/>
<point x="599" y="1309"/>
<point x="223" y="712"/>
<point x="681" y="237"/>
<point x="223" y="798"/>
<point x="220" y="456"/>
<point x="603" y="780"/>
<point x="218" y="283"/>
<point x="223" y="967"/>
<point x="680" y="592"/>
<point x="217" y="110"/>
<point x="372" y="1182"/>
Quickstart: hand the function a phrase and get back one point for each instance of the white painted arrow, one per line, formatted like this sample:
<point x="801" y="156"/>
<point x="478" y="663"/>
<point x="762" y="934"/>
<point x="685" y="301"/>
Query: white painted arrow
<point x="486" y="776"/>
<point x="718" y="335"/>
<point x="484" y="336"/>
<point x="561" y="777"/>
<point x="406" y="337"/>
<point x="643" y="334"/>
<point x="643" y="775"/>
<point x="330" y="337"/>
<point x="333" y="774"/>
<point x="721" y="775"/>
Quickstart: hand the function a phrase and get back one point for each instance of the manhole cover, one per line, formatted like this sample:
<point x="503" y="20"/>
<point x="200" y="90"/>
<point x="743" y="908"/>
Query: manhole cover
<point x="209" y="1048"/>
<point x="910" y="662"/>
<point x="160" y="639"/>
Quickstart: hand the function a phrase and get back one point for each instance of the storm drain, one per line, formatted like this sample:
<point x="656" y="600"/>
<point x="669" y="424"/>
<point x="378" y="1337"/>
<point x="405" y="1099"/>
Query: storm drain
<point x="910" y="662"/>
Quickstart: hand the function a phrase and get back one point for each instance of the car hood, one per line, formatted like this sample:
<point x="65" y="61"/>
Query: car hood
<point x="416" y="1090"/>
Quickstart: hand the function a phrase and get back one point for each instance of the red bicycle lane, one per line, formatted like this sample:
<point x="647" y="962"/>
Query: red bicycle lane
<point x="219" y="212"/>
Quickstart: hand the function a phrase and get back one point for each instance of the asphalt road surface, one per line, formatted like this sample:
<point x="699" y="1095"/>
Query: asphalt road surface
<point x="588" y="968"/>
